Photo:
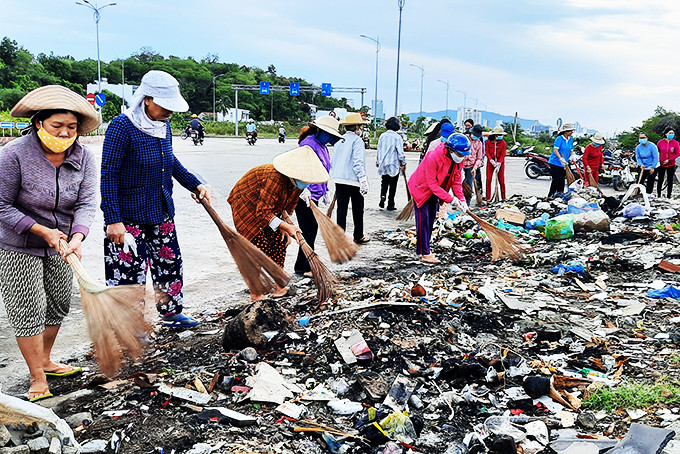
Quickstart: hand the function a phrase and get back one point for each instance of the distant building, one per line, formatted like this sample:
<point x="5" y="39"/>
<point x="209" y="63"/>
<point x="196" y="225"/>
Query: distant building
<point x="537" y="128"/>
<point x="122" y="91"/>
<point x="243" y="115"/>
<point x="465" y="113"/>
<point x="377" y="109"/>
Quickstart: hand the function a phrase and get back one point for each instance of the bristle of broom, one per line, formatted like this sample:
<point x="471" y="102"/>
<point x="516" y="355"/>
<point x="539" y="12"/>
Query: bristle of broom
<point x="503" y="243"/>
<point x="591" y="180"/>
<point x="407" y="212"/>
<point x="570" y="175"/>
<point x="340" y="248"/>
<point x="255" y="267"/>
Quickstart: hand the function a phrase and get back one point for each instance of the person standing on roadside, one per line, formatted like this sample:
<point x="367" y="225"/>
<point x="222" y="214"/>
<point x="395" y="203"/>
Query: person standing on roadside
<point x="669" y="151"/>
<point x="48" y="189"/>
<point x="593" y="158"/>
<point x="317" y="135"/>
<point x="138" y="167"/>
<point x="473" y="161"/>
<point x="435" y="134"/>
<point x="390" y="161"/>
<point x="647" y="157"/>
<point x="348" y="170"/>
<point x="559" y="158"/>
<point x="496" y="149"/>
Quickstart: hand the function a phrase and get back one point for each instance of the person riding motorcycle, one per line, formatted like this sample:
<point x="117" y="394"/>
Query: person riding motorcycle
<point x="282" y="132"/>
<point x="196" y="125"/>
<point x="251" y="128"/>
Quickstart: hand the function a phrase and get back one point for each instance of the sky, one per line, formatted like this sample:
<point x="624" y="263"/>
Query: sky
<point x="604" y="63"/>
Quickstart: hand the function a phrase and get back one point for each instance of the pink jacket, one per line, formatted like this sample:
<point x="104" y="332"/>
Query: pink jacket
<point x="668" y="150"/>
<point x="432" y="177"/>
<point x="474" y="159"/>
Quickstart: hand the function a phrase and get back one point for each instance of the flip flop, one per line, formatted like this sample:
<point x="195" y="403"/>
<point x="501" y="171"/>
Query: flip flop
<point x="40" y="397"/>
<point x="179" y="321"/>
<point x="73" y="370"/>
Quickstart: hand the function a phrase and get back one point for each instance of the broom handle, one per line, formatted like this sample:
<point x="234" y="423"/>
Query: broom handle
<point x="298" y="235"/>
<point x="75" y="263"/>
<point x="408" y="193"/>
<point x="225" y="230"/>
<point x="332" y="205"/>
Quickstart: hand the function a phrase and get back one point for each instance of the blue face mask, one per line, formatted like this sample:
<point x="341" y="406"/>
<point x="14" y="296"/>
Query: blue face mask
<point x="301" y="184"/>
<point x="671" y="136"/>
<point x="475" y="138"/>
<point x="325" y="138"/>
<point x="643" y="141"/>
<point x="597" y="144"/>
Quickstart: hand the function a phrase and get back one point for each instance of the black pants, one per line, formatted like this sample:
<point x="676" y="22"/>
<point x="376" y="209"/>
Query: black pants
<point x="665" y="172"/>
<point x="388" y="182"/>
<point x="558" y="175"/>
<point x="310" y="228"/>
<point x="345" y="193"/>
<point x="648" y="180"/>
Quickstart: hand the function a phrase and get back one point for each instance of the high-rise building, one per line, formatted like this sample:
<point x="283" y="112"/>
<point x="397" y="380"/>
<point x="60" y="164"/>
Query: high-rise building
<point x="465" y="113"/>
<point x="377" y="109"/>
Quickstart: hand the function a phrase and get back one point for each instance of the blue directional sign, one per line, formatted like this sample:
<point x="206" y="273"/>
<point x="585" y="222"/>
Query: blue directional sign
<point x="295" y="88"/>
<point x="326" y="89"/>
<point x="264" y="88"/>
<point x="7" y="124"/>
<point x="100" y="99"/>
<point x="22" y="125"/>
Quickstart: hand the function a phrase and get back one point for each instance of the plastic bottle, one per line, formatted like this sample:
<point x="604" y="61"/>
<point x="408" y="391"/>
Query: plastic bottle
<point x="592" y="373"/>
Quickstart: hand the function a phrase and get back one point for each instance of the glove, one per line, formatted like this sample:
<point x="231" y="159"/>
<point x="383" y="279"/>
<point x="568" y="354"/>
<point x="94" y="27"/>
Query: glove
<point x="493" y="163"/>
<point x="363" y="186"/>
<point x="497" y="165"/>
<point x="129" y="243"/>
<point x="327" y="199"/>
<point x="457" y="204"/>
<point x="306" y="196"/>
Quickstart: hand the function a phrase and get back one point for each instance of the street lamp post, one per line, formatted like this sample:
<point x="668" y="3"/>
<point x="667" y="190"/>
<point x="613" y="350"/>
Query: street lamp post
<point x="446" y="82"/>
<point x="215" y="77"/>
<point x="396" y="96"/>
<point x="464" y="104"/>
<point x="95" y="13"/>
<point x="375" y="99"/>
<point x="122" y="81"/>
<point x="422" y="75"/>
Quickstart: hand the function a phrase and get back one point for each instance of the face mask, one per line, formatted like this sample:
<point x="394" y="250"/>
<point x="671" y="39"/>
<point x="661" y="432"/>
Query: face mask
<point x="671" y="136"/>
<point x="643" y="141"/>
<point x="55" y="144"/>
<point x="499" y="138"/>
<point x="597" y="144"/>
<point x="301" y="184"/>
<point x="456" y="158"/>
<point x="475" y="138"/>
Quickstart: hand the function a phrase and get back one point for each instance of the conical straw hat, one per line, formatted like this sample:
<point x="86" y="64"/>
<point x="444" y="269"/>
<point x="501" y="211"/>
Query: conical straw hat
<point x="56" y="97"/>
<point x="301" y="164"/>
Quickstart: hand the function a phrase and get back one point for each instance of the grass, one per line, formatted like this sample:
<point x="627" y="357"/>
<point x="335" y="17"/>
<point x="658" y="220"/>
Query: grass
<point x="633" y="394"/>
<point x="674" y="359"/>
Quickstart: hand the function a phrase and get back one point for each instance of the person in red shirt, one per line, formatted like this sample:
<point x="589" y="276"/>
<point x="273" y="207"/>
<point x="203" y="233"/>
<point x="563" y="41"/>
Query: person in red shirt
<point x="496" y="149"/>
<point x="669" y="151"/>
<point x="593" y="158"/>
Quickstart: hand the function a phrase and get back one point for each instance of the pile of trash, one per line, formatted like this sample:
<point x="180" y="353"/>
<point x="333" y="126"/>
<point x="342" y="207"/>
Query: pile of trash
<point x="575" y="349"/>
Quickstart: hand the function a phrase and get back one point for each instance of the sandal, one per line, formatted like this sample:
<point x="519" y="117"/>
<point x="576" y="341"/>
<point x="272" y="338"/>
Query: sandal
<point x="363" y="240"/>
<point x="64" y="370"/>
<point x="39" y="395"/>
<point x="179" y="321"/>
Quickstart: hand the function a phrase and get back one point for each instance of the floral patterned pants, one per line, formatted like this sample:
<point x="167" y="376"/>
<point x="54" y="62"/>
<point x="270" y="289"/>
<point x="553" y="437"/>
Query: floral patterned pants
<point x="158" y="250"/>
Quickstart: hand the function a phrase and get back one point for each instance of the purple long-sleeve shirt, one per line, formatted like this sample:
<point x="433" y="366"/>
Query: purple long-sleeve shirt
<point x="318" y="189"/>
<point x="33" y="190"/>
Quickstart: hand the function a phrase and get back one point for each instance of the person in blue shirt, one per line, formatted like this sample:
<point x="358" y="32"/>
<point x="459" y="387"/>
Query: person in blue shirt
<point x="137" y="172"/>
<point x="647" y="157"/>
<point x="196" y="125"/>
<point x="559" y="158"/>
<point x="251" y="127"/>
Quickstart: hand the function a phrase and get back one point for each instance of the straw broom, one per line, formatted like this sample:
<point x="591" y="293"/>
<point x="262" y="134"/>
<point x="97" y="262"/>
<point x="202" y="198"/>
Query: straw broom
<point x="340" y="248"/>
<point x="570" y="176"/>
<point x="478" y="190"/>
<point x="496" y="186"/>
<point x="257" y="269"/>
<point x="323" y="278"/>
<point x="114" y="317"/>
<point x="408" y="210"/>
<point x="503" y="243"/>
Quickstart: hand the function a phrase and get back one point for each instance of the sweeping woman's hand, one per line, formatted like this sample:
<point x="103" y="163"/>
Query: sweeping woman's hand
<point x="200" y="193"/>
<point x="74" y="246"/>
<point x="289" y="231"/>
<point x="51" y="236"/>
<point x="116" y="232"/>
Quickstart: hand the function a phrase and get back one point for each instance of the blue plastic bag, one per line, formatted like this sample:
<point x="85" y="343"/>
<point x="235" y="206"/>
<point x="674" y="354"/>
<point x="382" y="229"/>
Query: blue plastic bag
<point x="533" y="223"/>
<point x="576" y="267"/>
<point x="666" y="292"/>
<point x="633" y="210"/>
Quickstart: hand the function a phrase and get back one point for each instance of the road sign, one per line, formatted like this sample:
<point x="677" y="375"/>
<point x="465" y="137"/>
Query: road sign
<point x="7" y="125"/>
<point x="264" y="88"/>
<point x="294" y="88"/>
<point x="21" y="125"/>
<point x="90" y="98"/>
<point x="100" y="99"/>
<point x="326" y="89"/>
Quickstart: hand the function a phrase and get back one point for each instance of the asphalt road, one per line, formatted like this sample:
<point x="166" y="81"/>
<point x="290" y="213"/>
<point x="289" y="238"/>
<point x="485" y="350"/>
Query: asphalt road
<point x="211" y="277"/>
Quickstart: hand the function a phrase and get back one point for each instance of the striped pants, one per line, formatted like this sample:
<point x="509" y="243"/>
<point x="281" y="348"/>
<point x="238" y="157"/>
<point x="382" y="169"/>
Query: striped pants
<point x="36" y="291"/>
<point x="425" y="216"/>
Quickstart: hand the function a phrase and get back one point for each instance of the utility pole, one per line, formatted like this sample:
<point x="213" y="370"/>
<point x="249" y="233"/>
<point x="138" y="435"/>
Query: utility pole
<point x="96" y="9"/>
<point x="214" y="113"/>
<point x="396" y="96"/>
<point x="122" y="80"/>
<point x="422" y="75"/>
<point x="446" y="82"/>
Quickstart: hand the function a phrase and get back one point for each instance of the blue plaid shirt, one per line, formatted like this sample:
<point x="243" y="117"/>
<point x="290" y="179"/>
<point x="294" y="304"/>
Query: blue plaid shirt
<point x="137" y="173"/>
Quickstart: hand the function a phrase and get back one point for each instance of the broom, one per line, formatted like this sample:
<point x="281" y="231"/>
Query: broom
<point x="567" y="170"/>
<point x="496" y="186"/>
<point x="478" y="190"/>
<point x="408" y="210"/>
<point x="323" y="278"/>
<point x="340" y="248"/>
<point x="467" y="191"/>
<point x="332" y="205"/>
<point x="257" y="269"/>
<point x="503" y="243"/>
<point x="114" y="317"/>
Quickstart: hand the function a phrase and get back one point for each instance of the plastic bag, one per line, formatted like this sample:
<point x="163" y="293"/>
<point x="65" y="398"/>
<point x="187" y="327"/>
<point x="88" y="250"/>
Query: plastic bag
<point x="633" y="210"/>
<point x="573" y="266"/>
<point x="666" y="292"/>
<point x="533" y="223"/>
<point x="560" y="227"/>
<point x="591" y="220"/>
<point x="586" y="207"/>
<point x="398" y="426"/>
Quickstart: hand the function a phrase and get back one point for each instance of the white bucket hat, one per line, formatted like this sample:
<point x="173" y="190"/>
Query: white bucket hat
<point x="329" y="124"/>
<point x="498" y="131"/>
<point x="597" y="138"/>
<point x="301" y="164"/>
<point x="56" y="97"/>
<point x="566" y="127"/>
<point x="164" y="89"/>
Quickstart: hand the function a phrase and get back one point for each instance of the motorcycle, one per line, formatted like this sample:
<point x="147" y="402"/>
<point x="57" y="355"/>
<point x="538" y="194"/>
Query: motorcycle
<point x="251" y="138"/>
<point x="195" y="136"/>
<point x="518" y="150"/>
<point x="617" y="171"/>
<point x="186" y="132"/>
<point x="536" y="165"/>
<point x="282" y="138"/>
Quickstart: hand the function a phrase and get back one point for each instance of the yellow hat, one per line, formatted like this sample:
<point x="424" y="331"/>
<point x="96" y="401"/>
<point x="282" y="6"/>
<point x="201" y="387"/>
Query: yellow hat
<point x="301" y="164"/>
<point x="354" y="118"/>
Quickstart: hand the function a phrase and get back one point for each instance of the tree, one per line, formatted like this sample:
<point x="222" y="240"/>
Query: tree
<point x="655" y="128"/>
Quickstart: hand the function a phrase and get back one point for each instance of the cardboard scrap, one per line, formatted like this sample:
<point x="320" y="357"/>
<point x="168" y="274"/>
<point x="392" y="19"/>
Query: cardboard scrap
<point x="668" y="266"/>
<point x="512" y="216"/>
<point x="267" y="385"/>
<point x="352" y="347"/>
<point x="184" y="394"/>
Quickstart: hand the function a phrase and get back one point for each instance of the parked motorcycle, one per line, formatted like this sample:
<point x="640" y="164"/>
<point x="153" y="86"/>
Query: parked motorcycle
<point x="518" y="150"/>
<point x="196" y="137"/>
<point x="251" y="138"/>
<point x="617" y="171"/>
<point x="536" y="165"/>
